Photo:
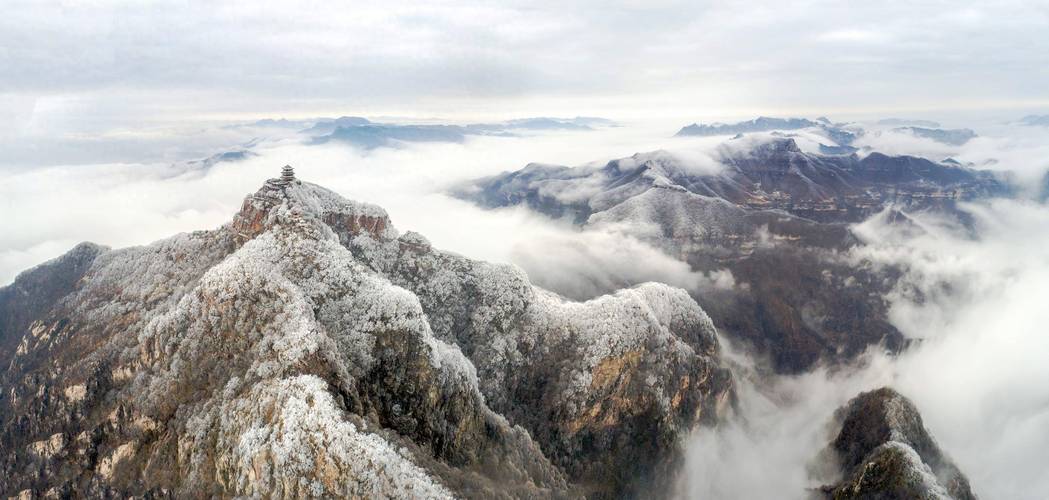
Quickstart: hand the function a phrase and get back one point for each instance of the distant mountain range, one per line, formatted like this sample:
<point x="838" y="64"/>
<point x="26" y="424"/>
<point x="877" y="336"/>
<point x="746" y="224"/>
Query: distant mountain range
<point x="843" y="134"/>
<point x="375" y="136"/>
<point x="224" y="157"/>
<point x="773" y="216"/>
<point x="954" y="137"/>
<point x="759" y="124"/>
<point x="901" y="122"/>
<point x="368" y="135"/>
<point x="1035" y="120"/>
<point x="772" y="174"/>
<point x="365" y="134"/>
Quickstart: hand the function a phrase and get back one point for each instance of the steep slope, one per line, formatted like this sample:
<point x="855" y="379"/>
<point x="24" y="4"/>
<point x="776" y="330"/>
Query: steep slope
<point x="884" y="451"/>
<point x="306" y="349"/>
<point x="606" y="386"/>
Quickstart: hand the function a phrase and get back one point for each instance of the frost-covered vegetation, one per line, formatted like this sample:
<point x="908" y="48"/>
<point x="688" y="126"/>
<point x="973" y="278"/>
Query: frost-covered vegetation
<point x="306" y="349"/>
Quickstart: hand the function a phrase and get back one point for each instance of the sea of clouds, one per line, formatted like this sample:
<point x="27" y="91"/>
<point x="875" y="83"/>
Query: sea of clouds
<point x="973" y="299"/>
<point x="973" y="296"/>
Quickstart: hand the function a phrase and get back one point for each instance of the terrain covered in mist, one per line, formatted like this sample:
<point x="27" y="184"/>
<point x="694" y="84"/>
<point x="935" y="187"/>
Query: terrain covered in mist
<point x="966" y="296"/>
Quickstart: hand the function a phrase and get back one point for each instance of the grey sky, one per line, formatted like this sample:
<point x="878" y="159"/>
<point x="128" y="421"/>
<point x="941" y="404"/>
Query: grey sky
<point x="89" y="65"/>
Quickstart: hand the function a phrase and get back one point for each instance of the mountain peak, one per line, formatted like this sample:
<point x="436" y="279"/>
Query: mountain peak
<point x="780" y="145"/>
<point x="286" y="198"/>
<point x="883" y="447"/>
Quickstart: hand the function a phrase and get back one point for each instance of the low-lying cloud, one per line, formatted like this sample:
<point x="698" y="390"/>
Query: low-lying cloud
<point x="1020" y="152"/>
<point x="980" y="375"/>
<point x="978" y="372"/>
<point x="768" y="449"/>
<point x="135" y="203"/>
<point x="585" y="264"/>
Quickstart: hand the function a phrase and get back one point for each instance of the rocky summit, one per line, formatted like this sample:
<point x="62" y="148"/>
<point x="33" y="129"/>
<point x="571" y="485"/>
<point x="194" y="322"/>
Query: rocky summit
<point x="883" y="451"/>
<point x="309" y="349"/>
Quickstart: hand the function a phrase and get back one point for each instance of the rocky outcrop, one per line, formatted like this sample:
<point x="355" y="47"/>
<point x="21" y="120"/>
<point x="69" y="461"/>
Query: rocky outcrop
<point x="883" y="451"/>
<point x="308" y="349"/>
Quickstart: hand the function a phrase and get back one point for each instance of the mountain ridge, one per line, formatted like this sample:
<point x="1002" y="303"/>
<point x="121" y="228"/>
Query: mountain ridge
<point x="307" y="348"/>
<point x="775" y="217"/>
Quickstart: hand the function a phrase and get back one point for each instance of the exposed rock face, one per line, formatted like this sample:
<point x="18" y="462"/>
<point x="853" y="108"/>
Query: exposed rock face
<point x="885" y="452"/>
<point x="775" y="217"/>
<point x="606" y="386"/>
<point x="308" y="349"/>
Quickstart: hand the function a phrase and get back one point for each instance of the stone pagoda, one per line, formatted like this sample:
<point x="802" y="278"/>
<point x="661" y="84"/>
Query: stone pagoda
<point x="287" y="175"/>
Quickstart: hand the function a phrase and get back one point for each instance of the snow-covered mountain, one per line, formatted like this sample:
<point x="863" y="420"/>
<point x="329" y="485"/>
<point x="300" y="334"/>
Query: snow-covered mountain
<point x="307" y="348"/>
<point x="765" y="173"/>
<point x="775" y="217"/>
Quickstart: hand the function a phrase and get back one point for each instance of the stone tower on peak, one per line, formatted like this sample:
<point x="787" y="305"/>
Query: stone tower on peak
<point x="287" y="175"/>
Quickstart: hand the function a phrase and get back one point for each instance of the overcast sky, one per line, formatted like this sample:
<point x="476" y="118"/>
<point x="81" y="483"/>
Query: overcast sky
<point x="87" y="66"/>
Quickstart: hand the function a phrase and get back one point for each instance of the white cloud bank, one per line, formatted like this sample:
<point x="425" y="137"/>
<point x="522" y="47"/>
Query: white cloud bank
<point x="981" y="376"/>
<point x="53" y="208"/>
